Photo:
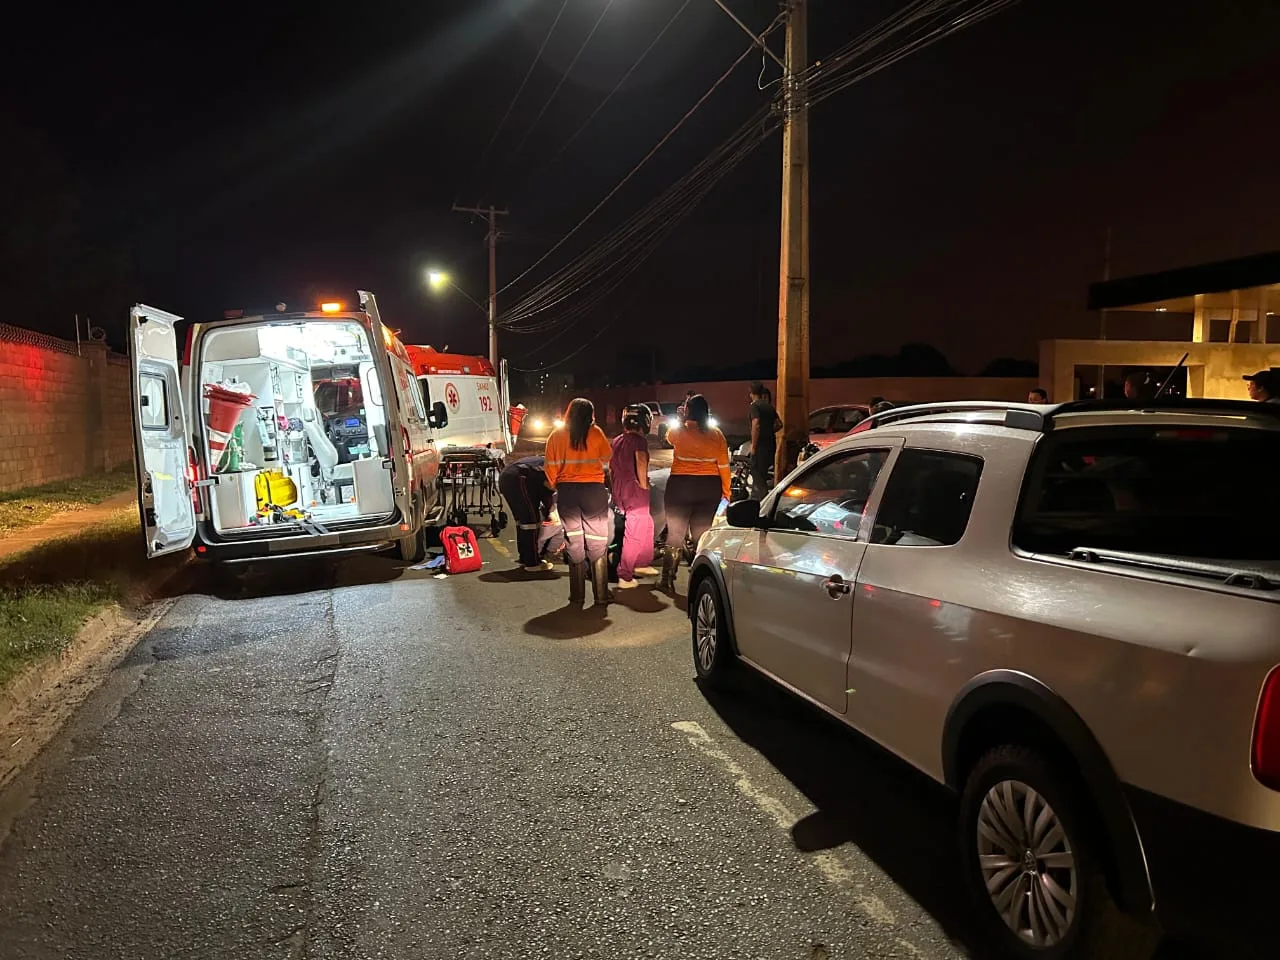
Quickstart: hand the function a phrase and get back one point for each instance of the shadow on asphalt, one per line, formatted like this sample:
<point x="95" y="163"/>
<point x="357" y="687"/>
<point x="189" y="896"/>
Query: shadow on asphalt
<point x="253" y="581"/>
<point x="642" y="599"/>
<point x="569" y="623"/>
<point x="519" y="575"/>
<point x="901" y="819"/>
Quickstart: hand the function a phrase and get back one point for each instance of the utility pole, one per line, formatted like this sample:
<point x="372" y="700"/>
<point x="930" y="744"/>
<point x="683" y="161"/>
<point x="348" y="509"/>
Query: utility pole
<point x="490" y="214"/>
<point x="793" y="268"/>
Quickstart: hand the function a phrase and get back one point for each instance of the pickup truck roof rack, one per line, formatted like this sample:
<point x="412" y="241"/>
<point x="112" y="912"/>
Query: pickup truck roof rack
<point x="1024" y="416"/>
<point x="1040" y="417"/>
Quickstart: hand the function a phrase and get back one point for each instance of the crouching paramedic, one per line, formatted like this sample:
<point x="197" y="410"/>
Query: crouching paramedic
<point x="524" y="485"/>
<point x="576" y="458"/>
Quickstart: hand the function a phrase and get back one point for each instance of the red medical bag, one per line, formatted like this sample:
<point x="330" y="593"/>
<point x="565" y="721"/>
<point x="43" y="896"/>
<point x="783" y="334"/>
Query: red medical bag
<point x="461" y="552"/>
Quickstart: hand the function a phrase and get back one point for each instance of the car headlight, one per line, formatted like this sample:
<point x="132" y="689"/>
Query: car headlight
<point x="673" y="423"/>
<point x="712" y="422"/>
<point x="557" y="423"/>
<point x="538" y="423"/>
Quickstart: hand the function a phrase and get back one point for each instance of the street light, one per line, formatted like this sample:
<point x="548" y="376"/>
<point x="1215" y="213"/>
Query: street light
<point x="437" y="280"/>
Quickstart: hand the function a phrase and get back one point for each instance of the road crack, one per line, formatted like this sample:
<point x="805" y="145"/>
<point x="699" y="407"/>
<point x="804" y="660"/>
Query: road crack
<point x="316" y="687"/>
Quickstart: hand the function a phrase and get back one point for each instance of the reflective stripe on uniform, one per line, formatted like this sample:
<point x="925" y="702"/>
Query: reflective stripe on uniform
<point x="573" y="533"/>
<point x="591" y="536"/>
<point x="527" y="526"/>
<point x="698" y="459"/>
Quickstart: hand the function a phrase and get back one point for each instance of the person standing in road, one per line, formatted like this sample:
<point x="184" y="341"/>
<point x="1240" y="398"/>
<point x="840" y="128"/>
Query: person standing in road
<point x="524" y="485"/>
<point x="682" y="411"/>
<point x="764" y="439"/>
<point x="577" y="455"/>
<point x="698" y="484"/>
<point x="629" y="477"/>
<point x="1264" y="386"/>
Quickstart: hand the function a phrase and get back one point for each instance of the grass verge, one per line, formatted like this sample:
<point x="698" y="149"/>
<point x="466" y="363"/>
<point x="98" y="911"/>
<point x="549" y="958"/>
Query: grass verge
<point x="48" y="592"/>
<point x="26" y="508"/>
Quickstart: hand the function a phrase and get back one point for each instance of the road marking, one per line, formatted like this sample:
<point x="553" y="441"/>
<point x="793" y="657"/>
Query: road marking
<point x="828" y="863"/>
<point x="500" y="547"/>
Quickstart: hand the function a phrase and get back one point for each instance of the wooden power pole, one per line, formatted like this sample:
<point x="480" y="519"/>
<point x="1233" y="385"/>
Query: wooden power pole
<point x="490" y="214"/>
<point x="793" y="270"/>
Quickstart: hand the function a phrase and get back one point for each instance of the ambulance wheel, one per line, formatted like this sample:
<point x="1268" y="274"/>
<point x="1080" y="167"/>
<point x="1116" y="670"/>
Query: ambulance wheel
<point x="413" y="548"/>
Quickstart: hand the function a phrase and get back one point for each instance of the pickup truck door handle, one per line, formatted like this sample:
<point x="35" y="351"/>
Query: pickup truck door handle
<point x="837" y="586"/>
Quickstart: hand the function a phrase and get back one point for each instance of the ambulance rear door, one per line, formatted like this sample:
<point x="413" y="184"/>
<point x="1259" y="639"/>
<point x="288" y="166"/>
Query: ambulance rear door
<point x="160" y="433"/>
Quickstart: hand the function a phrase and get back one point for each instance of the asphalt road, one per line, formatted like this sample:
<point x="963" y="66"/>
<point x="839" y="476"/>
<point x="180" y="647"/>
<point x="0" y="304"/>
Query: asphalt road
<point x="360" y="761"/>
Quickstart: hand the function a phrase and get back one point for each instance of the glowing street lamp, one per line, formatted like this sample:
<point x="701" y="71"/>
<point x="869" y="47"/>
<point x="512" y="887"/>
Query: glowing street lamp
<point x="437" y="280"/>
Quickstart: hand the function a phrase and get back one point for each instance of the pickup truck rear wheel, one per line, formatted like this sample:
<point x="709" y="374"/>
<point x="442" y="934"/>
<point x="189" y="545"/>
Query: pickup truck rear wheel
<point x="1031" y="862"/>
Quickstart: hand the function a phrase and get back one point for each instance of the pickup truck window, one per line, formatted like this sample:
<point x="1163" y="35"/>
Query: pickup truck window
<point x="831" y="497"/>
<point x="928" y="499"/>
<point x="1207" y="493"/>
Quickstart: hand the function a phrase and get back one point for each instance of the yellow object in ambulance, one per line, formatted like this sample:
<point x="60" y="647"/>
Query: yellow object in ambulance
<point x="273" y="487"/>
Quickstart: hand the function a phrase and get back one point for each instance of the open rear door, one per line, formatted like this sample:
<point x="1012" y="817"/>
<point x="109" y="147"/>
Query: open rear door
<point x="160" y="433"/>
<point x="504" y="404"/>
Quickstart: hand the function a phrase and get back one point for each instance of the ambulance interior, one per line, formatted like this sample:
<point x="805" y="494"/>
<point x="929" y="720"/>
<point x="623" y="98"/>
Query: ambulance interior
<point x="310" y="436"/>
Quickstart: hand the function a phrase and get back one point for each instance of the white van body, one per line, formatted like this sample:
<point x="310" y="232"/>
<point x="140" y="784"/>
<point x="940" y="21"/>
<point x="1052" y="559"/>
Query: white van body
<point x="311" y="480"/>
<point x="477" y="414"/>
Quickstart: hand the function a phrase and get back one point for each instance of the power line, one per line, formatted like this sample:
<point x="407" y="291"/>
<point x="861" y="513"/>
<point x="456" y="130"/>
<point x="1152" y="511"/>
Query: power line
<point x="537" y="58"/>
<point x="630" y="244"/>
<point x="923" y="22"/>
<point x="563" y="77"/>
<point x="617" y="86"/>
<point x="634" y="170"/>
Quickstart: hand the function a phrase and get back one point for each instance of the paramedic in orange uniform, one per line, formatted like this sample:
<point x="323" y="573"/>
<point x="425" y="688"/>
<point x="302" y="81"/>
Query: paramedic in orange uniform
<point x="577" y="455"/>
<point x="698" y="483"/>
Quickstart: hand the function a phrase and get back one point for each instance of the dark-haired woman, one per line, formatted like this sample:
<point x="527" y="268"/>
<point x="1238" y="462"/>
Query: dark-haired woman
<point x="699" y="481"/>
<point x="577" y="455"/>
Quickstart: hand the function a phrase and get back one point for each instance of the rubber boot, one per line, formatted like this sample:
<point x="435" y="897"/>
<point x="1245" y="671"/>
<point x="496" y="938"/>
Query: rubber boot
<point x="670" y="564"/>
<point x="600" y="581"/>
<point x="577" y="582"/>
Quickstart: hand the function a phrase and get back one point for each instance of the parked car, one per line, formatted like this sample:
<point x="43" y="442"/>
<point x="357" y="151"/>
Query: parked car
<point x="829" y="424"/>
<point x="1068" y="615"/>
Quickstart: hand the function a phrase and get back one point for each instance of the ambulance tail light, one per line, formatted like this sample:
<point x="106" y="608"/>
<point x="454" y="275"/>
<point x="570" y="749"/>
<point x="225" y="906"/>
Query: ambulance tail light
<point x="405" y="442"/>
<point x="186" y="348"/>
<point x="194" y="475"/>
<point x="1266" y="734"/>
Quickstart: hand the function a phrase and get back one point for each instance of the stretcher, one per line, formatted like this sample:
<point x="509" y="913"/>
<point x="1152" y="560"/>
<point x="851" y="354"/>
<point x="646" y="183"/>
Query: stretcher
<point x="469" y="479"/>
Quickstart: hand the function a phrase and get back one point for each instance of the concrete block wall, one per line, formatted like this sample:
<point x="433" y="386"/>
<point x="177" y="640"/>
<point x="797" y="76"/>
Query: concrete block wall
<point x="62" y="415"/>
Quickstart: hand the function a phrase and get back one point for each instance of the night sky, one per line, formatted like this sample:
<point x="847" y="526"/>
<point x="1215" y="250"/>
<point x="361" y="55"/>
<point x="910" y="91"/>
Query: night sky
<point x="259" y="152"/>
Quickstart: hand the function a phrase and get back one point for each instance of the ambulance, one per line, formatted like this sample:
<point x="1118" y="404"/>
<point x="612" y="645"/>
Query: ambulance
<point x="282" y="435"/>
<point x="474" y="396"/>
<point x="480" y="434"/>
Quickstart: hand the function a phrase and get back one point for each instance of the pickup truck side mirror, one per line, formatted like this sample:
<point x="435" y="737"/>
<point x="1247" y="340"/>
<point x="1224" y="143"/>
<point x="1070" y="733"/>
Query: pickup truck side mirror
<point x="746" y="514"/>
<point x="439" y="415"/>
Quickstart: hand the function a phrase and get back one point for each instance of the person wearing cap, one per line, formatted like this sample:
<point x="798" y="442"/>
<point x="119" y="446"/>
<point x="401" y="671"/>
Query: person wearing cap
<point x="1264" y="386"/>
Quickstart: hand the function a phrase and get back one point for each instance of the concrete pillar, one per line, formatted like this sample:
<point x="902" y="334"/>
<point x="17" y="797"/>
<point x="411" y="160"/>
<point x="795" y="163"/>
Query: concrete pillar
<point x="1262" y="315"/>
<point x="95" y="450"/>
<point x="1235" y="316"/>
<point x="1199" y="328"/>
